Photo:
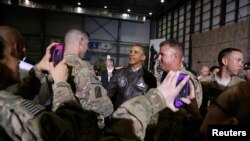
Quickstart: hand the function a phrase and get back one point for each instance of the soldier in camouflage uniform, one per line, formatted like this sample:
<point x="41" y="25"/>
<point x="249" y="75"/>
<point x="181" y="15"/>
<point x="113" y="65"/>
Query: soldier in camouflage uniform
<point x="185" y="123"/>
<point x="231" y="63"/>
<point x="24" y="120"/>
<point x="88" y="89"/>
<point x="133" y="116"/>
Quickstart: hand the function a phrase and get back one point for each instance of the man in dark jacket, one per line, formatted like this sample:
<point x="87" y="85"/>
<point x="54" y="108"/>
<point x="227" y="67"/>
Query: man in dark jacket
<point x="108" y="72"/>
<point x="133" y="80"/>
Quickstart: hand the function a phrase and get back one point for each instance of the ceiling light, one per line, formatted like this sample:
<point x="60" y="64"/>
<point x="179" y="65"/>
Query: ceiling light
<point x="162" y="1"/>
<point x="128" y="10"/>
<point x="27" y="2"/>
<point x="79" y="3"/>
<point x="150" y="13"/>
<point x="79" y="10"/>
<point x="125" y="15"/>
<point x="105" y="6"/>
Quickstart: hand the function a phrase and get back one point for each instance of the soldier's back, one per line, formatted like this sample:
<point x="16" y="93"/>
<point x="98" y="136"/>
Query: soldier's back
<point x="18" y="117"/>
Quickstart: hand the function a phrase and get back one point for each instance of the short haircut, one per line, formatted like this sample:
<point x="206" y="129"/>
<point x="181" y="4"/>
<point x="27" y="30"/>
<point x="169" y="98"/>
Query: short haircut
<point x="142" y="48"/>
<point x="70" y="34"/>
<point x="173" y="44"/>
<point x="225" y="52"/>
<point x="12" y="36"/>
<point x="112" y="60"/>
<point x="213" y="68"/>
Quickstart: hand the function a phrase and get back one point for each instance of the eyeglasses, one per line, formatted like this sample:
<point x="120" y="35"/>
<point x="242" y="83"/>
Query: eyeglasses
<point x="214" y="102"/>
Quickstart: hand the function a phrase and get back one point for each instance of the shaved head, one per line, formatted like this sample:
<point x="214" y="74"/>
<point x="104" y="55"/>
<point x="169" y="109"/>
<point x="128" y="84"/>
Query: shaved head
<point x="14" y="39"/>
<point x="76" y="42"/>
<point x="73" y="34"/>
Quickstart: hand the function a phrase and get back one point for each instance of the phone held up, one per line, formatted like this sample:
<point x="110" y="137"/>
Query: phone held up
<point x="57" y="54"/>
<point x="183" y="93"/>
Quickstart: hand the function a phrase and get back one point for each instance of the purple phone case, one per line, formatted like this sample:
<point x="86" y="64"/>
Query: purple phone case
<point x="183" y="93"/>
<point x="58" y="53"/>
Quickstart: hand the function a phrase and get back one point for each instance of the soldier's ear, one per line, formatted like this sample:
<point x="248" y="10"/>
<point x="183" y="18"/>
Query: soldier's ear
<point x="224" y="61"/>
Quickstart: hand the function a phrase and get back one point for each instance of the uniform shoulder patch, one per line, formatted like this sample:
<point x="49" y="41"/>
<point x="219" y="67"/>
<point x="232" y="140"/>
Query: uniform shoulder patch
<point x="31" y="107"/>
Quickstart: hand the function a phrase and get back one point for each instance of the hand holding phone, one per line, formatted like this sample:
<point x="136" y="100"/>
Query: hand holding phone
<point x="57" y="53"/>
<point x="183" y="93"/>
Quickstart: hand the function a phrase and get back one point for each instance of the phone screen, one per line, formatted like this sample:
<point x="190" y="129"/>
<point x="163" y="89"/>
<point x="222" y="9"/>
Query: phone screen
<point x="183" y="93"/>
<point x="57" y="55"/>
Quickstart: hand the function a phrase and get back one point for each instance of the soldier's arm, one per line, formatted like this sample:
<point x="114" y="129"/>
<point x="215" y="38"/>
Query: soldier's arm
<point x="132" y="117"/>
<point x="198" y="91"/>
<point x="62" y="94"/>
<point x="29" y="121"/>
<point x="90" y="92"/>
<point x="31" y="84"/>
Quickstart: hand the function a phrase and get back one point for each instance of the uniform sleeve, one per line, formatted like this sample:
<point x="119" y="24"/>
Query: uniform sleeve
<point x="132" y="117"/>
<point x="31" y="84"/>
<point x="197" y="87"/>
<point x="27" y="121"/>
<point x="62" y="94"/>
<point x="198" y="91"/>
<point x="68" y="121"/>
<point x="89" y="90"/>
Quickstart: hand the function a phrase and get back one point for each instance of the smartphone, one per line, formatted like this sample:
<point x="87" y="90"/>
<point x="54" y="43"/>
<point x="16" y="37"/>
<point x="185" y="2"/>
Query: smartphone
<point x="57" y="54"/>
<point x="183" y="93"/>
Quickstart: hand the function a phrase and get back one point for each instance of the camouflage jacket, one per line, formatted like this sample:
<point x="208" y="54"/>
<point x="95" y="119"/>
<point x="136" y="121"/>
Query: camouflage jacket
<point x="212" y="89"/>
<point x="133" y="116"/>
<point x="25" y="120"/>
<point x="87" y="87"/>
<point x="210" y="81"/>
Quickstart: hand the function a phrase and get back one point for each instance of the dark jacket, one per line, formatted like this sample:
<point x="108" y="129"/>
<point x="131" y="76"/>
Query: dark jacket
<point x="126" y="84"/>
<point x="29" y="60"/>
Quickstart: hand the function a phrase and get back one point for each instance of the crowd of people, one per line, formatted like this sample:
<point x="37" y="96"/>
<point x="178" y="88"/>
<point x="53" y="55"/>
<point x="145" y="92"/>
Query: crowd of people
<point x="68" y="102"/>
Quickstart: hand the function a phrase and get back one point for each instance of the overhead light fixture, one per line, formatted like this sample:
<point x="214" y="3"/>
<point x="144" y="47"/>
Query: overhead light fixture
<point x="128" y="10"/>
<point x="105" y="6"/>
<point x="150" y="13"/>
<point x="79" y="10"/>
<point x="162" y="1"/>
<point x="79" y="3"/>
<point x="125" y="15"/>
<point x="27" y="2"/>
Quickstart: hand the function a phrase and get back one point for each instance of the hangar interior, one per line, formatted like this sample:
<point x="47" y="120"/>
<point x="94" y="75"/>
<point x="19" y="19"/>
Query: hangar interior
<point x="203" y="26"/>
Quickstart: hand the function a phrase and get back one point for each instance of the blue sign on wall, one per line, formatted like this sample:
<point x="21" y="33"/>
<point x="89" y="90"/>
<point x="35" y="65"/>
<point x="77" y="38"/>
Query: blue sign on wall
<point x="93" y="45"/>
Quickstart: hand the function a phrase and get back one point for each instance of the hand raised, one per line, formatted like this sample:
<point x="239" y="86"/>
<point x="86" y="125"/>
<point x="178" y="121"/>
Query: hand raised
<point x="59" y="72"/>
<point x="43" y="65"/>
<point x="170" y="90"/>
